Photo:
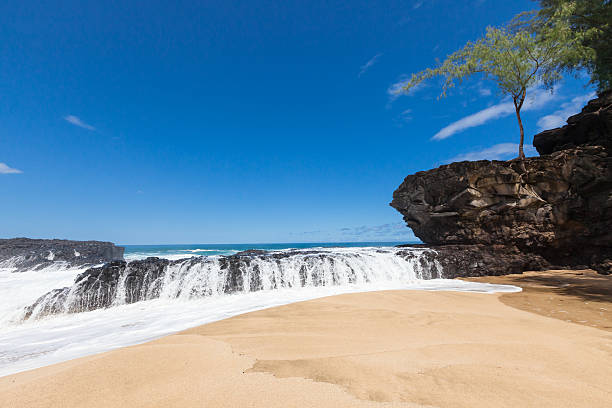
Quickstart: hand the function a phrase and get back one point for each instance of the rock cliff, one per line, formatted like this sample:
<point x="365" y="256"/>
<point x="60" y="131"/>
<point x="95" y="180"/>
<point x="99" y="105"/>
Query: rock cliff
<point x="21" y="254"/>
<point x="555" y="210"/>
<point x="591" y="127"/>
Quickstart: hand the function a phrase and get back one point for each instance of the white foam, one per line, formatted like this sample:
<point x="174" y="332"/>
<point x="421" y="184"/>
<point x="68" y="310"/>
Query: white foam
<point x="176" y="255"/>
<point x="60" y="338"/>
<point x="20" y="289"/>
<point x="53" y="339"/>
<point x="172" y="257"/>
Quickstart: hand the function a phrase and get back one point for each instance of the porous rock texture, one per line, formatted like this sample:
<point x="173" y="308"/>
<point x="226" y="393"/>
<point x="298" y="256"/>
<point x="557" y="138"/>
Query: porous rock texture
<point x="553" y="210"/>
<point x="470" y="260"/>
<point x="591" y="127"/>
<point x="22" y="254"/>
<point x="120" y="282"/>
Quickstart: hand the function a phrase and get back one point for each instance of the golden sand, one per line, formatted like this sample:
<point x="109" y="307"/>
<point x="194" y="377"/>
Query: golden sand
<point x="377" y="349"/>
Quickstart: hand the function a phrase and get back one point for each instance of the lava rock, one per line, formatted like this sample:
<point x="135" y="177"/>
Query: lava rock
<point x="558" y="206"/>
<point x="459" y="261"/>
<point x="119" y="282"/>
<point x="555" y="209"/>
<point x="592" y="126"/>
<point x="22" y="254"/>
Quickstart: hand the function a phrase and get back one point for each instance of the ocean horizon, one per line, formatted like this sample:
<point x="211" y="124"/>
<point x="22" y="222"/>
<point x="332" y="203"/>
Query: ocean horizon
<point x="178" y="251"/>
<point x="202" y="283"/>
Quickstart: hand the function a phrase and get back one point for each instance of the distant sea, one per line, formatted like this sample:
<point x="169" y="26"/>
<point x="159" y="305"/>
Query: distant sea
<point x="179" y="251"/>
<point x="193" y="292"/>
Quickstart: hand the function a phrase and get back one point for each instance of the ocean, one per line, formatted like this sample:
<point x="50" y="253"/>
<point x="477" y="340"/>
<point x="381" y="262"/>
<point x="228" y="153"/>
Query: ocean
<point x="178" y="251"/>
<point x="193" y="291"/>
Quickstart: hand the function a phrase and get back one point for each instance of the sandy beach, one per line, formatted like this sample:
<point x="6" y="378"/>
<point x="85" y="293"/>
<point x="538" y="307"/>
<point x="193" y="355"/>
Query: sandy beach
<point x="377" y="349"/>
<point x="582" y="297"/>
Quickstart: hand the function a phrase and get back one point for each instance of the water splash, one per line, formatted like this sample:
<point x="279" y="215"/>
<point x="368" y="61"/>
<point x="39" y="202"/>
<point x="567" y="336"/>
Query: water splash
<point x="144" y="303"/>
<point x="121" y="283"/>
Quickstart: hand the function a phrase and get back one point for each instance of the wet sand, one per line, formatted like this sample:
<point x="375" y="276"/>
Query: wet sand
<point x="377" y="349"/>
<point x="582" y="297"/>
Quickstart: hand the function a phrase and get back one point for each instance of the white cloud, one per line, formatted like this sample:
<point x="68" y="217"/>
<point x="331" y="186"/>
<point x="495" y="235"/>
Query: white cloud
<point x="484" y="91"/>
<point x="376" y="232"/>
<point x="500" y="151"/>
<point x="4" y="169"/>
<point x="417" y="4"/>
<point x="559" y="117"/>
<point x="78" y="122"/>
<point x="369" y="64"/>
<point x="406" y="115"/>
<point x="386" y="232"/>
<point x="536" y="99"/>
<point x="396" y="90"/>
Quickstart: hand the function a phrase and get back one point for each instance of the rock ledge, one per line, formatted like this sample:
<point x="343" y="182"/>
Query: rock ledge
<point x="21" y="254"/>
<point x="554" y="210"/>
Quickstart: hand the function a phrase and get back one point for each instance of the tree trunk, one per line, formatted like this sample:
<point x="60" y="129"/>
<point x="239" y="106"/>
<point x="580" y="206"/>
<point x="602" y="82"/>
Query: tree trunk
<point x="517" y="106"/>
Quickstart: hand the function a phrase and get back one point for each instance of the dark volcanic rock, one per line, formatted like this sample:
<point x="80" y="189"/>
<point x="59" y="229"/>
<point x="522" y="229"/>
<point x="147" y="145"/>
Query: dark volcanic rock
<point x="557" y="207"/>
<point x="97" y="287"/>
<point x="481" y="260"/>
<point x="532" y="204"/>
<point x="592" y="126"/>
<point x="24" y="254"/>
<point x="120" y="282"/>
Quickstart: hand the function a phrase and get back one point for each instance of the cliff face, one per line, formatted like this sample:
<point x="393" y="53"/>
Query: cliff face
<point x="22" y="254"/>
<point x="591" y="127"/>
<point x="557" y="207"/>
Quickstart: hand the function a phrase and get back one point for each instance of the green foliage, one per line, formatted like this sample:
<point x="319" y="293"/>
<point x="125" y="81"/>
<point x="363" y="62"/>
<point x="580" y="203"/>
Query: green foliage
<point x="590" y="23"/>
<point x="515" y="59"/>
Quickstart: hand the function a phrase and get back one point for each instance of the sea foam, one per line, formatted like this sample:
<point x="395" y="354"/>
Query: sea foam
<point x="52" y="339"/>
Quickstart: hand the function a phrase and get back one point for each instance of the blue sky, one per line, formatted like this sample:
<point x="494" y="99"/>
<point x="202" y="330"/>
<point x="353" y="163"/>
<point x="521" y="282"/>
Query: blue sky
<point x="238" y="121"/>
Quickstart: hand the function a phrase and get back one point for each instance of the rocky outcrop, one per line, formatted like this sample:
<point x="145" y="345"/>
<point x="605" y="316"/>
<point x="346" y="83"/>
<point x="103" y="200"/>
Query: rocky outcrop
<point x="557" y="207"/>
<point x="97" y="287"/>
<point x="120" y="282"/>
<point x="591" y="127"/>
<point x="21" y="254"/>
<point x="458" y="261"/>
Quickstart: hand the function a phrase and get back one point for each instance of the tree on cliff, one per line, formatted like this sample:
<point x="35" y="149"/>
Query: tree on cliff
<point x="590" y="22"/>
<point x="517" y="60"/>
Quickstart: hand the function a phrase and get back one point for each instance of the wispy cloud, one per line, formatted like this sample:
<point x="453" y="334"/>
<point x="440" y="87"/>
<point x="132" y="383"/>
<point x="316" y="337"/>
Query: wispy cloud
<point x="4" y="169"/>
<point x="481" y="88"/>
<point x="536" y="100"/>
<point x="500" y="151"/>
<point x="364" y="68"/>
<point x="484" y="92"/>
<point x="78" y="122"/>
<point x="396" y="90"/>
<point x="385" y="232"/>
<point x="394" y="230"/>
<point x="559" y="117"/>
<point x="406" y="115"/>
<point x="417" y="4"/>
<point x="403" y="117"/>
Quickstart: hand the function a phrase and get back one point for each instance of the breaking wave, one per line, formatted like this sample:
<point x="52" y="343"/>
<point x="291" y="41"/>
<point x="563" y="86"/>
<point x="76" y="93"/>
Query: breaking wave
<point x="76" y="312"/>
